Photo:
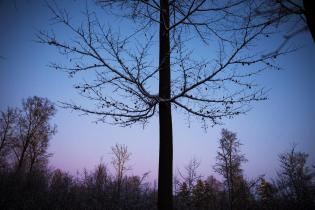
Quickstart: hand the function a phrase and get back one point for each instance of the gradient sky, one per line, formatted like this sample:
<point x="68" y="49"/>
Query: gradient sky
<point x="270" y="128"/>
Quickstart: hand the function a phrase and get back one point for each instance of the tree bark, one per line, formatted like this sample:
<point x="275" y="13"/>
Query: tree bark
<point x="165" y="197"/>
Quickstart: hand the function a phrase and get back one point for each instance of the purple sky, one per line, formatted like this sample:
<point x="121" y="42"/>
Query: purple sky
<point x="268" y="129"/>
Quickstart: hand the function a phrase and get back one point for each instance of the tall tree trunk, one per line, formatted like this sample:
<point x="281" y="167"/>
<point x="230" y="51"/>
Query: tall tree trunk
<point x="165" y="197"/>
<point x="32" y="162"/>
<point x="21" y="159"/>
<point x="310" y="17"/>
<point x="231" y="176"/>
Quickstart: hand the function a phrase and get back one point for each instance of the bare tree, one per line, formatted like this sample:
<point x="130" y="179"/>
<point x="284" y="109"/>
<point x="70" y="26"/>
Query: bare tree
<point x="33" y="131"/>
<point x="37" y="151"/>
<point x="296" y="180"/>
<point x="101" y="177"/>
<point x="7" y="122"/>
<point x="229" y="160"/>
<point x="296" y="15"/>
<point x="186" y="181"/>
<point x="129" y="88"/>
<point x="120" y="157"/>
<point x="191" y="175"/>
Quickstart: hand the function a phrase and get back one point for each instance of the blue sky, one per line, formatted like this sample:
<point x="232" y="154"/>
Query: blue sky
<point x="268" y="129"/>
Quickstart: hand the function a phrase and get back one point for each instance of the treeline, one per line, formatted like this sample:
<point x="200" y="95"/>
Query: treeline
<point x="55" y="189"/>
<point x="26" y="181"/>
<point x="293" y="188"/>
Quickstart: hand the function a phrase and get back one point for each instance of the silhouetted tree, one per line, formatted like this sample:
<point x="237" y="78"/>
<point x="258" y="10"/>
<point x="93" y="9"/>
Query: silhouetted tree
<point x="296" y="181"/>
<point x="120" y="158"/>
<point x="7" y="123"/>
<point x="186" y="183"/>
<point x="267" y="194"/>
<point x="32" y="133"/>
<point x="183" y="197"/>
<point x="135" y="191"/>
<point x="229" y="160"/>
<point x="211" y="88"/>
<point x="191" y="175"/>
<point x="296" y="15"/>
<point x="60" y="190"/>
<point x="99" y="188"/>
<point x="310" y="17"/>
<point x="213" y="191"/>
<point x="199" y="195"/>
<point x="101" y="177"/>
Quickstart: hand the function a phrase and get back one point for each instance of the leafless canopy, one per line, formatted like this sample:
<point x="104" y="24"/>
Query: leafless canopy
<point x="25" y="133"/>
<point x="212" y="84"/>
<point x="291" y="13"/>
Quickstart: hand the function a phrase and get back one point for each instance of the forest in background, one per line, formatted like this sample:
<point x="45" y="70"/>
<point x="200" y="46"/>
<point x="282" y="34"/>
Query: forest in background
<point x="28" y="182"/>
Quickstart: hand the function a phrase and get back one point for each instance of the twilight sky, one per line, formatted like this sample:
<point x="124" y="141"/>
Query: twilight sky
<point x="270" y="128"/>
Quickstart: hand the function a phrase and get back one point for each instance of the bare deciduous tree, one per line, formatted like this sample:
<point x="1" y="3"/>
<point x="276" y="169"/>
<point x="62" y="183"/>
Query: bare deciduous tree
<point x="129" y="88"/>
<point x="37" y="151"/>
<point x="296" y="180"/>
<point x="7" y="122"/>
<point x="101" y="177"/>
<point x="120" y="157"/>
<point x="296" y="15"/>
<point x="229" y="160"/>
<point x="191" y="175"/>
<point x="33" y="131"/>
